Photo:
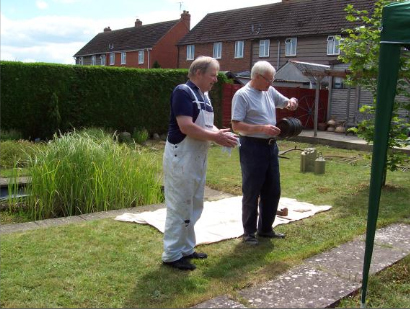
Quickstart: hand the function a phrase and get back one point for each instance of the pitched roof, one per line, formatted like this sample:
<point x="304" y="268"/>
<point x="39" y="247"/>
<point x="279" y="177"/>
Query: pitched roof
<point x="132" y="38"/>
<point x="282" y="19"/>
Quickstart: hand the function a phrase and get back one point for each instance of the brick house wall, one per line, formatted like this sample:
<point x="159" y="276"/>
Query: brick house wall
<point x="158" y="44"/>
<point x="166" y="51"/>
<point x="227" y="62"/>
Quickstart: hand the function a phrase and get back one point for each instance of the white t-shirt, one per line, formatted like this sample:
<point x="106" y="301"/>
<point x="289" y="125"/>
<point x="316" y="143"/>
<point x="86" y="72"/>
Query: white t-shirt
<point x="257" y="107"/>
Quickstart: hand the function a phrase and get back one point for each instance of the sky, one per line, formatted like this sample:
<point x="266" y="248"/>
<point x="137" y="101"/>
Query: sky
<point x="54" y="30"/>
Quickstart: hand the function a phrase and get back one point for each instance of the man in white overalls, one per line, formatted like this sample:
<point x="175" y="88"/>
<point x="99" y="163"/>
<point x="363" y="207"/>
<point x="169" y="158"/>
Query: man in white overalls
<point x="191" y="129"/>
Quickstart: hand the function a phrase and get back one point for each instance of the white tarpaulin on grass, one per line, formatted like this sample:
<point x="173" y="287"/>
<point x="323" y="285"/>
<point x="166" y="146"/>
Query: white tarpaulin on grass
<point x="222" y="219"/>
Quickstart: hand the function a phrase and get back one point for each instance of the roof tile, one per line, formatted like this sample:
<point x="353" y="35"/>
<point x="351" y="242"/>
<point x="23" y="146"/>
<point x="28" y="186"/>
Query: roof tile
<point x="132" y="38"/>
<point x="282" y="19"/>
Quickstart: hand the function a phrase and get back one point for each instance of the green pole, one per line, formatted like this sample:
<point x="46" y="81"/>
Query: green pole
<point x="386" y="89"/>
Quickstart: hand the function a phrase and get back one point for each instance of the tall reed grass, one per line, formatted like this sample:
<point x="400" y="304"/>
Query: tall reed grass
<point x="84" y="172"/>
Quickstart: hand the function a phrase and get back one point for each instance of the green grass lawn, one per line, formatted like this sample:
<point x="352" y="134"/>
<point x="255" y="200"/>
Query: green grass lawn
<point x="106" y="263"/>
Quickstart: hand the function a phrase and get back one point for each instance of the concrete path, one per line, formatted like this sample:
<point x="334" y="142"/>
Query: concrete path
<point x="210" y="195"/>
<point x="322" y="280"/>
<point x="338" y="140"/>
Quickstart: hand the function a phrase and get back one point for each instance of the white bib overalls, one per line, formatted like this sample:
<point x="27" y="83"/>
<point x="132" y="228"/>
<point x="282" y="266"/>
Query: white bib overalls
<point x="184" y="166"/>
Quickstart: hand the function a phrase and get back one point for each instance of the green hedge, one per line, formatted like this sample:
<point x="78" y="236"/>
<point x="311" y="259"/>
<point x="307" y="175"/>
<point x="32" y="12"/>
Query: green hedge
<point x="89" y="96"/>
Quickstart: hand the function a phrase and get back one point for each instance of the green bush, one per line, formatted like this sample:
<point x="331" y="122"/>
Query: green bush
<point x="140" y="136"/>
<point x="7" y="135"/>
<point x="16" y="153"/>
<point x="82" y="173"/>
<point x="38" y="98"/>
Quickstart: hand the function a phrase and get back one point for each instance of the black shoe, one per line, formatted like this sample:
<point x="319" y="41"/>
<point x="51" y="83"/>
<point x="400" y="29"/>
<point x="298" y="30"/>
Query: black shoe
<point x="196" y="255"/>
<point x="250" y="239"/>
<point x="271" y="234"/>
<point x="181" y="264"/>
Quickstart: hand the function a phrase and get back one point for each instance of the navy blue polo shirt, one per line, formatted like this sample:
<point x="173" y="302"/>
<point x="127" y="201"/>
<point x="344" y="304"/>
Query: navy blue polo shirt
<point x="182" y="105"/>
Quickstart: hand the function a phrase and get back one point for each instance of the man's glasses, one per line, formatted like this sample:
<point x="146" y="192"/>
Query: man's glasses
<point x="267" y="80"/>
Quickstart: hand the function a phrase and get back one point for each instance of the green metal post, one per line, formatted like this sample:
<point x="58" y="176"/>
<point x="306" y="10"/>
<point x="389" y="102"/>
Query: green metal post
<point x="388" y="72"/>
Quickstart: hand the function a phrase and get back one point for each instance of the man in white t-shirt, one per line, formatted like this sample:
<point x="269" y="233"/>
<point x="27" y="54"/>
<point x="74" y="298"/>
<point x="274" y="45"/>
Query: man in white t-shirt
<point x="254" y="118"/>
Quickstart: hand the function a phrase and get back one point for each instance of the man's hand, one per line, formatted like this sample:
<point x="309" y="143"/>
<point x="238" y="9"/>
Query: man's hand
<point x="225" y="137"/>
<point x="270" y="130"/>
<point x="292" y="104"/>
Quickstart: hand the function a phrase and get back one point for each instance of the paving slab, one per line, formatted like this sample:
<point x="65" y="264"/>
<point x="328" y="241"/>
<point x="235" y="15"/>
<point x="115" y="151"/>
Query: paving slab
<point x="220" y="302"/>
<point x="323" y="280"/>
<point x="210" y="195"/>
<point x="213" y="195"/>
<point x="346" y="261"/>
<point x="18" y="227"/>
<point x="59" y="221"/>
<point x="396" y="235"/>
<point x="301" y="287"/>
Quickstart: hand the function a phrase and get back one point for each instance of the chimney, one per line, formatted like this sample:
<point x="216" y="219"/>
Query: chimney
<point x="107" y="29"/>
<point x="186" y="18"/>
<point x="138" y="23"/>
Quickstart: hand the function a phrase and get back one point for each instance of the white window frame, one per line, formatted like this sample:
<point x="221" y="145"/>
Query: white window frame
<point x="112" y="58"/>
<point x="333" y="45"/>
<point x="93" y="60"/>
<point x="239" y="48"/>
<point x="290" y="46"/>
<point x="81" y="61"/>
<point x="217" y="52"/>
<point x="123" y="58"/>
<point x="140" y="57"/>
<point x="190" y="52"/>
<point x="264" y="48"/>
<point x="102" y="60"/>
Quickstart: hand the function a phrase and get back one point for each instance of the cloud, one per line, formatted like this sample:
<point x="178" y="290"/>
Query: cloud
<point x="50" y="52"/>
<point x="46" y="38"/>
<point x="42" y="5"/>
<point x="56" y="38"/>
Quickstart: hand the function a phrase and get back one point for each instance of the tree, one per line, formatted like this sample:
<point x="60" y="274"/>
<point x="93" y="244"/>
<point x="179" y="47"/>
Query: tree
<point x="53" y="118"/>
<point x="156" y="65"/>
<point x="360" y="49"/>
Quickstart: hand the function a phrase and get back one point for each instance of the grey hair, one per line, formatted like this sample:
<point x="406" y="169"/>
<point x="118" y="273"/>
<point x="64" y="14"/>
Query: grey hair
<point x="261" y="67"/>
<point x="202" y="64"/>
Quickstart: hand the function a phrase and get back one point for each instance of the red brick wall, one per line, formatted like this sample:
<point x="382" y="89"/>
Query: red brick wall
<point x="166" y="51"/>
<point x="227" y="62"/>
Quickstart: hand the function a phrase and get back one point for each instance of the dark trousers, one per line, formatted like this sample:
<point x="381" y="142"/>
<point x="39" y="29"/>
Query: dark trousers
<point x="260" y="184"/>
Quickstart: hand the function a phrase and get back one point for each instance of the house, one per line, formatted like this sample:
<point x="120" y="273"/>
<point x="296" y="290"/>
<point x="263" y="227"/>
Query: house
<point x="140" y="46"/>
<point x="303" y="30"/>
<point x="292" y="30"/>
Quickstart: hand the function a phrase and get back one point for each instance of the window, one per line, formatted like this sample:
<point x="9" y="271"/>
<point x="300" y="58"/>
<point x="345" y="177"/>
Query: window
<point x="190" y="52"/>
<point x="290" y="46"/>
<point x="93" y="60"/>
<point x="239" y="46"/>
<point x="333" y="45"/>
<point x="218" y="50"/>
<point x="338" y="83"/>
<point x="81" y="61"/>
<point x="123" y="58"/>
<point x="264" y="48"/>
<point x="141" y="57"/>
<point x="112" y="58"/>
<point x="102" y="59"/>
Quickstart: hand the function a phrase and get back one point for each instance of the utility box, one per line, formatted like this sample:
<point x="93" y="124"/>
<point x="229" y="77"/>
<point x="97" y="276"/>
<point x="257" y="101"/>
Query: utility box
<point x="320" y="163"/>
<point x="307" y="160"/>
